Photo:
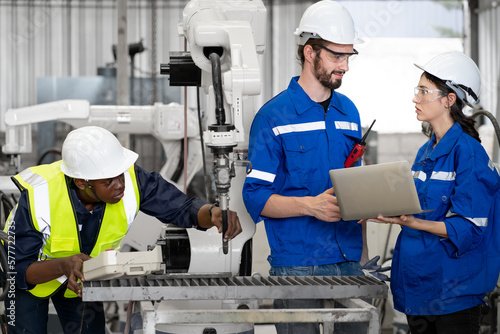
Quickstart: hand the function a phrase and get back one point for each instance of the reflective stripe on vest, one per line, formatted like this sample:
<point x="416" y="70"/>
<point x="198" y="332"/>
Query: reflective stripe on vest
<point x="52" y="213"/>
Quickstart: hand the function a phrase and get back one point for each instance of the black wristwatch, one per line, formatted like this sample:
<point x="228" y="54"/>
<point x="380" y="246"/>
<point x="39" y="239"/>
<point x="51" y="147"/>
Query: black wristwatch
<point x="210" y="210"/>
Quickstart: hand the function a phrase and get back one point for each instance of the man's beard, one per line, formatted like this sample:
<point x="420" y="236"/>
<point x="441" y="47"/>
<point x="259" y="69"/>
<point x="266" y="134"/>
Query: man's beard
<point x="326" y="78"/>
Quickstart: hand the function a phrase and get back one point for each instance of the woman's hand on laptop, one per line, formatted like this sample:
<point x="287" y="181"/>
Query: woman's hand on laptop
<point x="405" y="220"/>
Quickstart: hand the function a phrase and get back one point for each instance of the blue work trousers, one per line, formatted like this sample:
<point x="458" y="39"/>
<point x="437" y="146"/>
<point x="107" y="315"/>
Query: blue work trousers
<point x="336" y="269"/>
<point x="29" y="315"/>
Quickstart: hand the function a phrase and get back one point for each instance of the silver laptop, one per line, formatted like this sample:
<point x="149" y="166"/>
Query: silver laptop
<point x="368" y="191"/>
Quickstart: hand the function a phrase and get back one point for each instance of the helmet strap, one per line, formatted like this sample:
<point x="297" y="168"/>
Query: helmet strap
<point x="91" y="187"/>
<point x="461" y="91"/>
<point x="470" y="91"/>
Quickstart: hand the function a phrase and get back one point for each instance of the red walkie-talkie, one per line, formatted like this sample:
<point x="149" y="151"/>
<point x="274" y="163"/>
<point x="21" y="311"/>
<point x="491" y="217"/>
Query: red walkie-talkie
<point x="358" y="150"/>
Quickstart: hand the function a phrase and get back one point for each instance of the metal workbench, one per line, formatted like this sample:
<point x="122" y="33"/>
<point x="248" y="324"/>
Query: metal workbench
<point x="350" y="291"/>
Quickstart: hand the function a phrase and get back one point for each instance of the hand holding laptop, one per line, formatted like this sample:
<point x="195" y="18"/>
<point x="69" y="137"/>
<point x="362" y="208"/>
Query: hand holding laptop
<point x="369" y="191"/>
<point x="406" y="220"/>
<point x="325" y="206"/>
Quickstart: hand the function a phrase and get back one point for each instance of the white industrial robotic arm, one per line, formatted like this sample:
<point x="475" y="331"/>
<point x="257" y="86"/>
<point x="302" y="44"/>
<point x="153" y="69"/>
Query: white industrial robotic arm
<point x="164" y="122"/>
<point x="235" y="32"/>
<point x="225" y="38"/>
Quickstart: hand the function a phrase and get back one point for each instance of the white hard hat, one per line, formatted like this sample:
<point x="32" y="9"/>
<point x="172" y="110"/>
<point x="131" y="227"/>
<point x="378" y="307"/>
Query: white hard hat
<point x="93" y="153"/>
<point x="327" y="20"/>
<point x="459" y="72"/>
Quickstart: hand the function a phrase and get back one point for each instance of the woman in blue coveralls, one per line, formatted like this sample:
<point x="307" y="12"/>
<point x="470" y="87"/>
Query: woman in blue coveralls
<point x="446" y="260"/>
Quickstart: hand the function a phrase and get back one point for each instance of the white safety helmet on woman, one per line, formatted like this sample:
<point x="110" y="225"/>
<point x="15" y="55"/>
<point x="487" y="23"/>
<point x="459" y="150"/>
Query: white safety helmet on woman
<point x="459" y="72"/>
<point x="93" y="153"/>
<point x="327" y="20"/>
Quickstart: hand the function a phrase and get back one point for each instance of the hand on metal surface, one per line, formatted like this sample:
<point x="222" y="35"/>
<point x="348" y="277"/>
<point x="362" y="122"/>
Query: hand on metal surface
<point x="72" y="268"/>
<point x="371" y="268"/>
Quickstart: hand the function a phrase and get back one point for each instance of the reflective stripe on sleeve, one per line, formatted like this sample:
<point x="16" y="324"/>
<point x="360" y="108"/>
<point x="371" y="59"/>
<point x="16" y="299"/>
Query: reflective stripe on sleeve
<point x="265" y="176"/>
<point x="481" y="222"/>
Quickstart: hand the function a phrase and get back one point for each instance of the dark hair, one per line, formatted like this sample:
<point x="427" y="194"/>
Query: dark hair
<point x="456" y="109"/>
<point x="312" y="42"/>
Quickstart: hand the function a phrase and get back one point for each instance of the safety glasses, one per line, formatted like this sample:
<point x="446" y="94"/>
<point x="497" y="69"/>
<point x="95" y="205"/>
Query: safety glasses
<point x="424" y="95"/>
<point x="338" y="57"/>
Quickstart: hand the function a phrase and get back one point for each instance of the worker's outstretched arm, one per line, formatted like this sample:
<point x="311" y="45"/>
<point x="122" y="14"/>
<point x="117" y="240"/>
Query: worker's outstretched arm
<point x="209" y="216"/>
<point x="435" y="227"/>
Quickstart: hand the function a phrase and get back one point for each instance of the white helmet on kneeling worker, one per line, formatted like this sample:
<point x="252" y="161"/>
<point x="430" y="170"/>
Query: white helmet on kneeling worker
<point x="93" y="153"/>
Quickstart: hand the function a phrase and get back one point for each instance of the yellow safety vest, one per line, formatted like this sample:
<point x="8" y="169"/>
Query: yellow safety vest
<point x="53" y="214"/>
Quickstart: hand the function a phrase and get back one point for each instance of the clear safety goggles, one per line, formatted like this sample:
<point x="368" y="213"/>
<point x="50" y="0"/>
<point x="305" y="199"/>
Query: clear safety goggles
<point x="338" y="57"/>
<point x="424" y="95"/>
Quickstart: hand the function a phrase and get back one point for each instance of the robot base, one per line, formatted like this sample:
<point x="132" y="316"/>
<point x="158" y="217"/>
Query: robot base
<point x="202" y="328"/>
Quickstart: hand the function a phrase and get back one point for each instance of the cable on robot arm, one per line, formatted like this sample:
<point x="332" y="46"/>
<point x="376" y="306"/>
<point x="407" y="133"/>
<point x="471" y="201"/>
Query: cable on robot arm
<point x="217" y="83"/>
<point x="491" y="118"/>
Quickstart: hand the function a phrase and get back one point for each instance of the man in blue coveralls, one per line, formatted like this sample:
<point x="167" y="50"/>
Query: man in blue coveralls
<point x="295" y="139"/>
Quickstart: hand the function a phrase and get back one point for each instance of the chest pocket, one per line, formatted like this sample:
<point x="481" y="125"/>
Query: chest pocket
<point x="438" y="196"/>
<point x="302" y="154"/>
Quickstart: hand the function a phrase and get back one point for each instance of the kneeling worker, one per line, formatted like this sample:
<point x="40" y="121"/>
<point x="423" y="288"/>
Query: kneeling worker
<point x="72" y="210"/>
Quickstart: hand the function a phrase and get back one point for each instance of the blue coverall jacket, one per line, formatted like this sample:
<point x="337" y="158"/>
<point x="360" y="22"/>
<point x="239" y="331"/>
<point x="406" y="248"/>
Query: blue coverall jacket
<point x="293" y="145"/>
<point x="432" y="275"/>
